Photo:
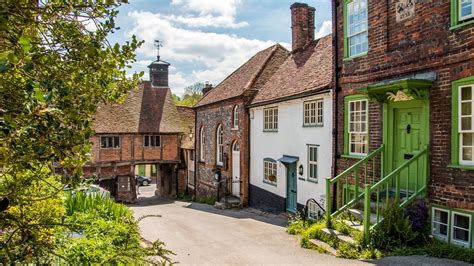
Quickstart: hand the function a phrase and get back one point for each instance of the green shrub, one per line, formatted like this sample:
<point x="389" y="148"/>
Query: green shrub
<point x="394" y="231"/>
<point x="296" y="225"/>
<point x="438" y="249"/>
<point x="371" y="253"/>
<point x="210" y="200"/>
<point x="348" y="251"/>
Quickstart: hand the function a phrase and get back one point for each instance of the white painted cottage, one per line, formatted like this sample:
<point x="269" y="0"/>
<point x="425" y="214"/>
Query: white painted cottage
<point x="291" y="125"/>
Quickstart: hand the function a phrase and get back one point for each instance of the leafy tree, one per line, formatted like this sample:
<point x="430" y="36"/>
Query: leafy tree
<point x="176" y="99"/>
<point x="192" y="94"/>
<point x="54" y="73"/>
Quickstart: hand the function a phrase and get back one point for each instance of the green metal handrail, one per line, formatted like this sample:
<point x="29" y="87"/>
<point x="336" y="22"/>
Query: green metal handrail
<point x="385" y="183"/>
<point x="353" y="169"/>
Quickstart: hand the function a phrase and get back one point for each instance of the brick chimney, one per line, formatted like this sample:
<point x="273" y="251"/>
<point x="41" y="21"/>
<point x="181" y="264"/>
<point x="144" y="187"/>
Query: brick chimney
<point x="207" y="87"/>
<point x="302" y="25"/>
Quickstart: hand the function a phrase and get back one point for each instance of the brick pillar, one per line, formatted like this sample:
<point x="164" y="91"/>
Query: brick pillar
<point x="302" y="25"/>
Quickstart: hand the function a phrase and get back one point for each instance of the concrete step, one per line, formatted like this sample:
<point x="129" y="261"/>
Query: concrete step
<point x="228" y="203"/>
<point x="358" y="214"/>
<point x="339" y="235"/>
<point x="324" y="246"/>
<point x="354" y="225"/>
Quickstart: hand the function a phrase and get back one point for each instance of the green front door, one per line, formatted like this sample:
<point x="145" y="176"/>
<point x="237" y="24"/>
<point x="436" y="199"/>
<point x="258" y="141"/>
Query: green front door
<point x="291" y="189"/>
<point x="410" y="135"/>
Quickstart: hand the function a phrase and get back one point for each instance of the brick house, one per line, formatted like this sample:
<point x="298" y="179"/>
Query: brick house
<point x="404" y="111"/>
<point x="222" y="128"/>
<point x="291" y="124"/>
<point x="147" y="129"/>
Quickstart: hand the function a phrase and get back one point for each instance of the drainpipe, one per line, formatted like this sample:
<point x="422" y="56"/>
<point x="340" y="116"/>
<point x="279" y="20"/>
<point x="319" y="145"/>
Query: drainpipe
<point x="336" y="90"/>
<point x="196" y="132"/>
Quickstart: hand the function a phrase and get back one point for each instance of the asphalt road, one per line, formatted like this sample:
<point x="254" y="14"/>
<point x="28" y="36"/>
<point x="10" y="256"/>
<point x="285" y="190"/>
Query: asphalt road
<point x="199" y="234"/>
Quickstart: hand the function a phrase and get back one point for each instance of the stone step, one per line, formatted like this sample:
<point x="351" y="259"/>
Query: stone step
<point x="229" y="203"/>
<point x="339" y="235"/>
<point x="358" y="214"/>
<point x="354" y="225"/>
<point x="324" y="246"/>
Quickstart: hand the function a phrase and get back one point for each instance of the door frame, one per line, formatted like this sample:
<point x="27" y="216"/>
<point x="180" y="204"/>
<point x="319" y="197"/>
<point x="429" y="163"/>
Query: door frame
<point x="288" y="167"/>
<point x="388" y="127"/>
<point x="234" y="167"/>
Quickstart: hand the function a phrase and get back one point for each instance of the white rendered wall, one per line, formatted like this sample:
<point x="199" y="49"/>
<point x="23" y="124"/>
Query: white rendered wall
<point x="292" y="139"/>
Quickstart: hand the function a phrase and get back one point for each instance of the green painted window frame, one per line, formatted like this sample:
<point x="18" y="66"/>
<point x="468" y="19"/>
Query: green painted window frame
<point x="451" y="212"/>
<point x="265" y="179"/>
<point x="455" y="162"/>
<point x="345" y="34"/>
<point x="347" y="99"/>
<point x="455" y="19"/>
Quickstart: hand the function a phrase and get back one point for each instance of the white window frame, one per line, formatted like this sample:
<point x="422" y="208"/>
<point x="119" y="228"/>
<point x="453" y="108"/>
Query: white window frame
<point x="270" y="119"/>
<point x="113" y="142"/>
<point x="313" y="112"/>
<point x="361" y="122"/>
<point x="460" y="116"/>
<point x="312" y="163"/>
<point x="219" y="146"/>
<point x="359" y="33"/>
<point x="461" y="18"/>
<point x="201" y="144"/>
<point x="314" y="211"/>
<point x="235" y="117"/>
<point x="441" y="237"/>
<point x="270" y="167"/>
<point x="156" y="137"/>
<point x="460" y="242"/>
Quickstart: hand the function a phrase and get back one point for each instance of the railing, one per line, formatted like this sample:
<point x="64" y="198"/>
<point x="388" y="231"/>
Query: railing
<point x="372" y="167"/>
<point x="414" y="174"/>
<point x="306" y="213"/>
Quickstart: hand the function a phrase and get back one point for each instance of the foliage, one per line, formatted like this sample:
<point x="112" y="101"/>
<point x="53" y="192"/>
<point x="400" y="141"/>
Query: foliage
<point x="210" y="200"/>
<point x="418" y="215"/>
<point x="192" y="95"/>
<point x="394" y="231"/>
<point x="55" y="71"/>
<point x="103" y="231"/>
<point x="295" y="225"/>
<point x="185" y="197"/>
<point x="438" y="249"/>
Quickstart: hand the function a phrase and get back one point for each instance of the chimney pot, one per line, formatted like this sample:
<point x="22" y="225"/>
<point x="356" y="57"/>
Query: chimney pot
<point x="302" y="25"/>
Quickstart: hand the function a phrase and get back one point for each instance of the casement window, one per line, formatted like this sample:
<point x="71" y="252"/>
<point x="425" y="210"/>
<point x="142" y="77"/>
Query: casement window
<point x="152" y="141"/>
<point x="355" y="27"/>
<point x="313" y="163"/>
<point x="219" y="146"/>
<point x="462" y="12"/>
<point x="270" y="171"/>
<point x="270" y="119"/>
<point x="466" y="124"/>
<point x="461" y="229"/>
<point x="357" y="123"/>
<point x="235" y="117"/>
<point x="452" y="226"/>
<point x="313" y="113"/>
<point x="201" y="144"/>
<point x="110" y="142"/>
<point x="462" y="132"/>
<point x="440" y="224"/>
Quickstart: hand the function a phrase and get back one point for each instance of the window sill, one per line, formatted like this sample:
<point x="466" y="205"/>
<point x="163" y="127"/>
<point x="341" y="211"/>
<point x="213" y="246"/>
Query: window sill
<point x="270" y="183"/>
<point x="301" y="178"/>
<point x="270" y="131"/>
<point x="462" y="24"/>
<point x="318" y="125"/>
<point x="350" y="58"/>
<point x="463" y="167"/>
<point x="351" y="156"/>
<point x="110" y="148"/>
<point x="315" y="181"/>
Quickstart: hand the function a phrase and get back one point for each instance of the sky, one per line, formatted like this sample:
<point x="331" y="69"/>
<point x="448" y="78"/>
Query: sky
<point x="206" y="40"/>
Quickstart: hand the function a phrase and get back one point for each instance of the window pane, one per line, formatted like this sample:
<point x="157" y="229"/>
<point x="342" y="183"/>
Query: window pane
<point x="466" y="93"/>
<point x="467" y="139"/>
<point x="461" y="235"/>
<point x="441" y="216"/>
<point x="117" y="142"/>
<point x="147" y="142"/>
<point x="467" y="154"/>
<point x="103" y="142"/>
<point x="440" y="229"/>
<point x="461" y="221"/>
<point x="466" y="108"/>
<point x="466" y="123"/>
<point x="466" y="8"/>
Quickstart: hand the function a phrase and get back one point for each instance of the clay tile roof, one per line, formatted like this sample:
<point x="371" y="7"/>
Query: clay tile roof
<point x="187" y="119"/>
<point x="305" y="71"/>
<point x="145" y="110"/>
<point x="243" y="78"/>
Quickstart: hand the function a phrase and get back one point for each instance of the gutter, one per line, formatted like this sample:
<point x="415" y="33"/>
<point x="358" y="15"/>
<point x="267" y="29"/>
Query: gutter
<point x="292" y="97"/>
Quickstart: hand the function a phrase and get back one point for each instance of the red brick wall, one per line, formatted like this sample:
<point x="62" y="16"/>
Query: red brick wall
<point x="419" y="44"/>
<point x="210" y="117"/>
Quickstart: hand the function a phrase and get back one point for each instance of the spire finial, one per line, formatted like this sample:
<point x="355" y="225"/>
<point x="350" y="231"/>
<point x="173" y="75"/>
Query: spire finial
<point x="158" y="45"/>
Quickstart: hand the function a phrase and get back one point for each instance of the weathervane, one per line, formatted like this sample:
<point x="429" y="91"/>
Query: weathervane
<point x="158" y="44"/>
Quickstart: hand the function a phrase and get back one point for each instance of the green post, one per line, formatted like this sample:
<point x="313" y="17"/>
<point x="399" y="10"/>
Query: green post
<point x="328" y="202"/>
<point x="357" y="181"/>
<point x="397" y="188"/>
<point x="367" y="212"/>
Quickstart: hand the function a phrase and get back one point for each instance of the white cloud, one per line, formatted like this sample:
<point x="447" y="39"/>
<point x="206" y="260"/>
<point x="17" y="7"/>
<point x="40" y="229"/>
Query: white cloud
<point x="325" y="29"/>
<point x="216" y="55"/>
